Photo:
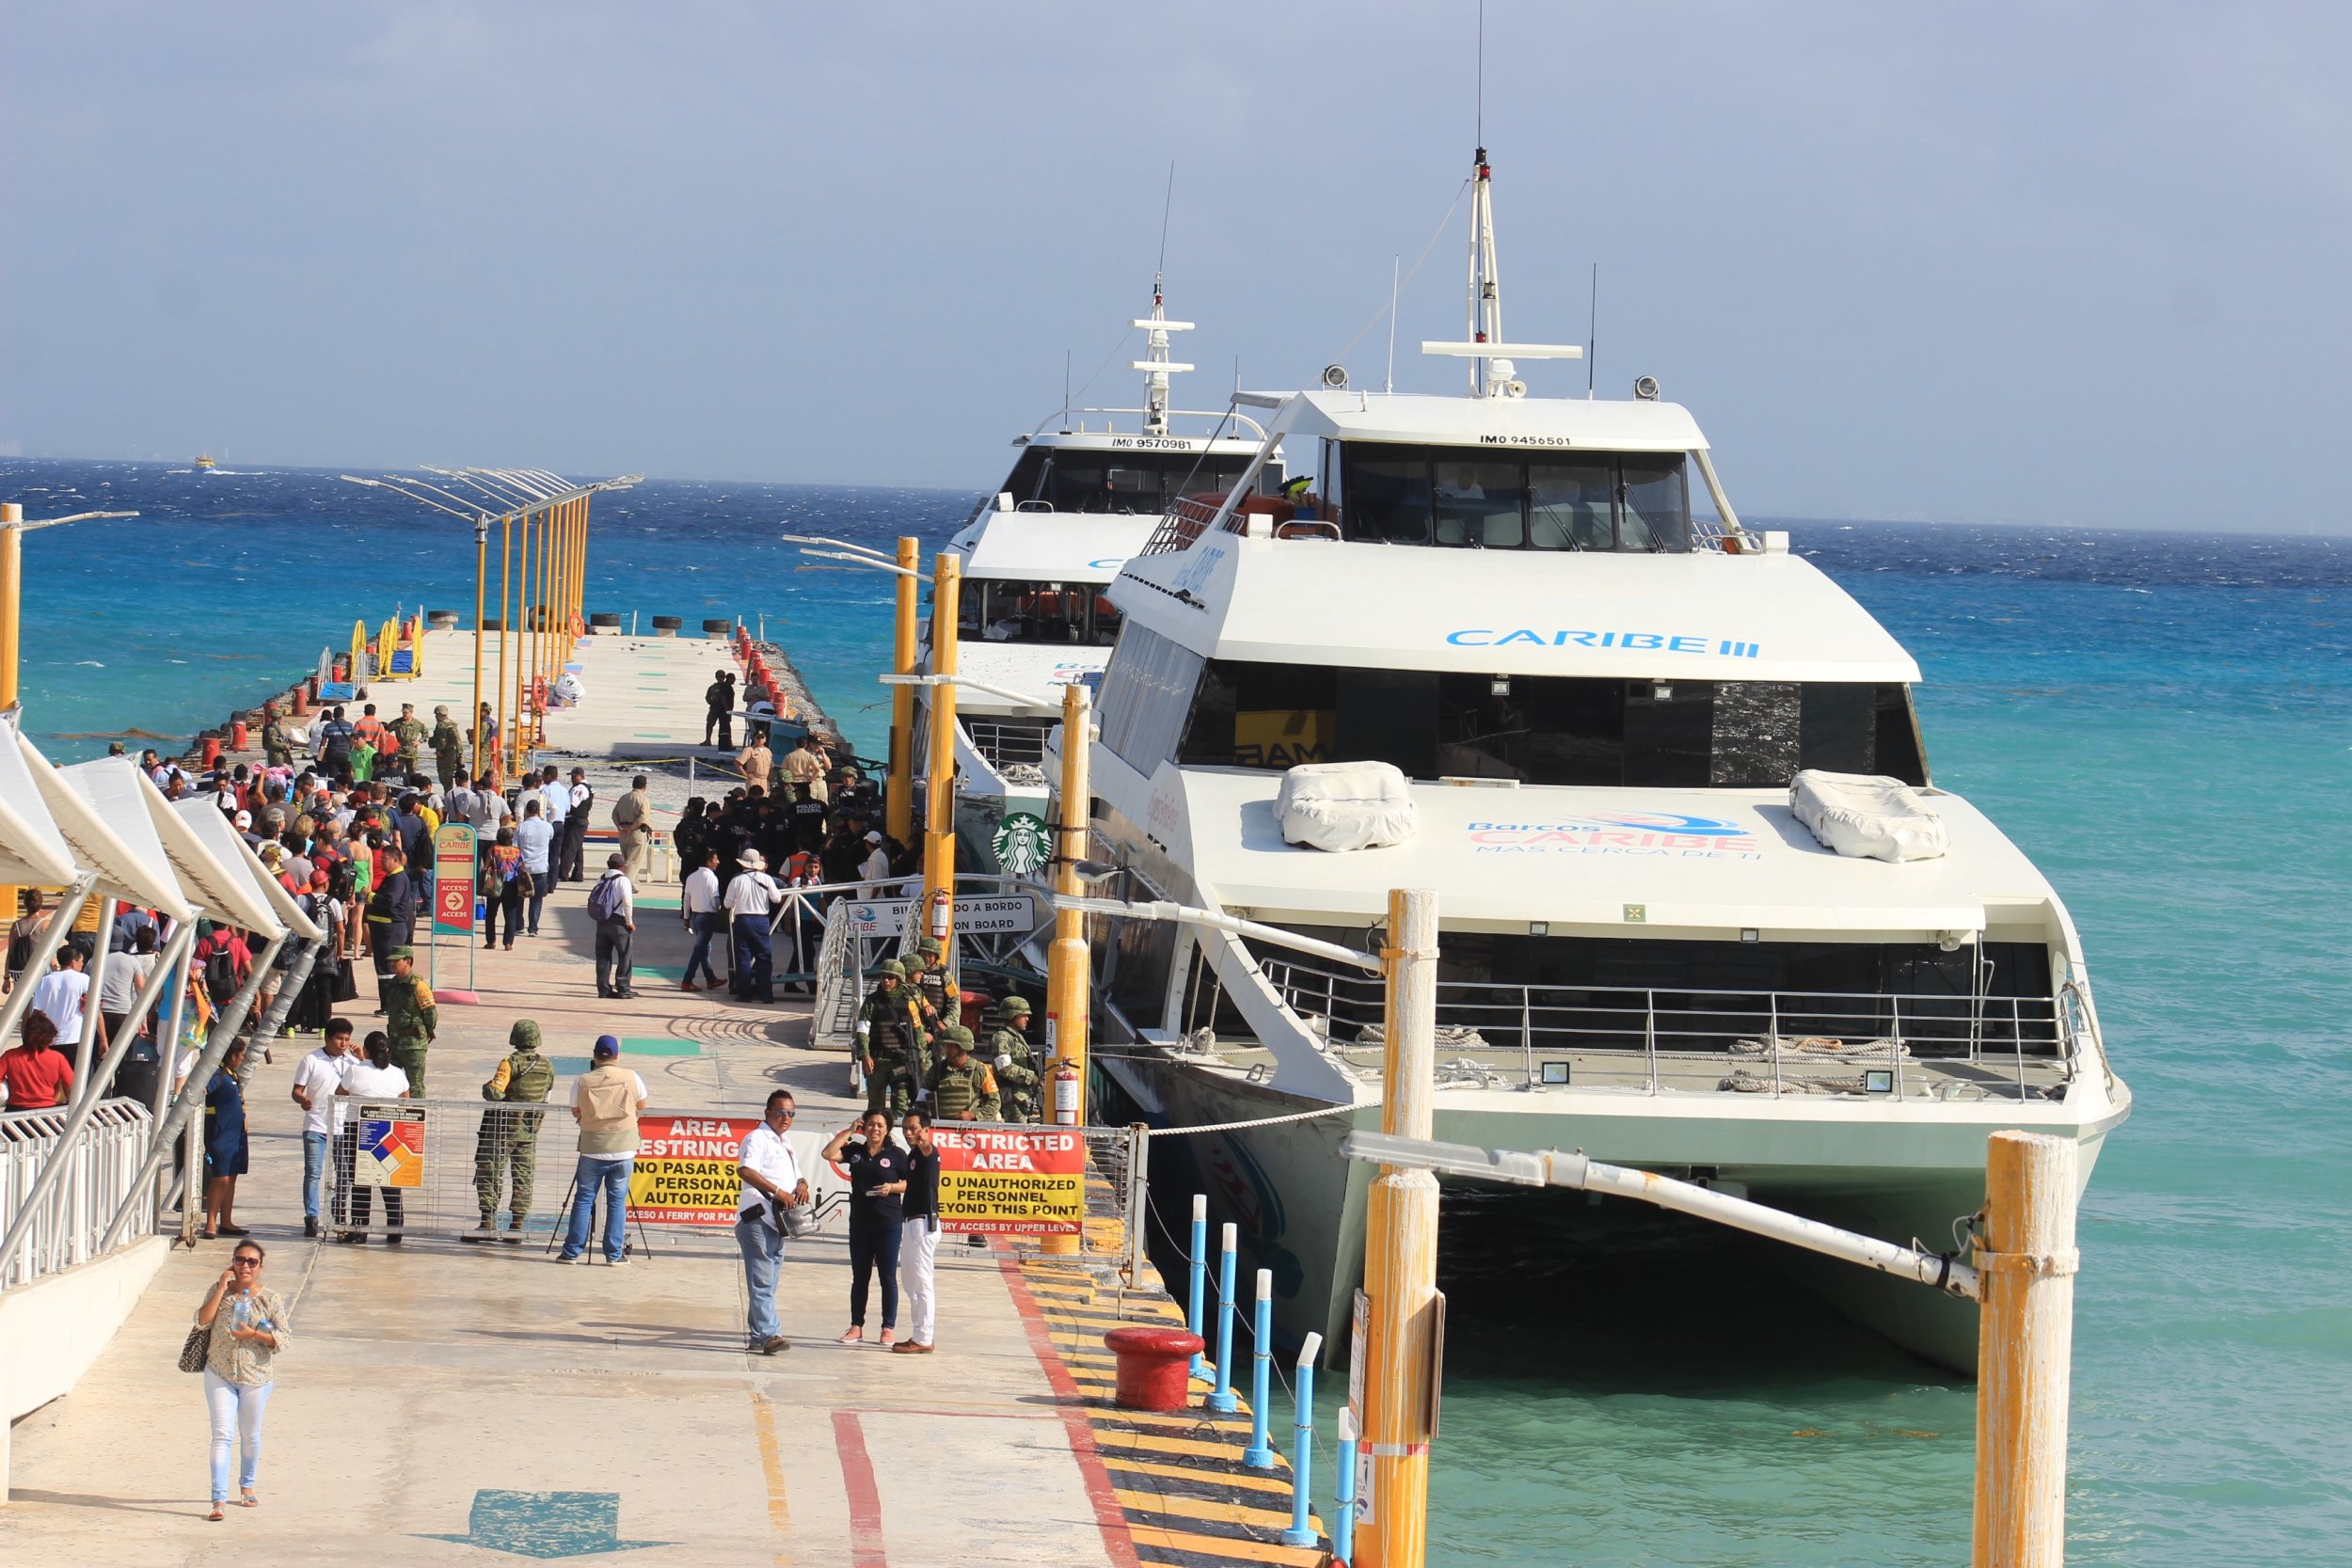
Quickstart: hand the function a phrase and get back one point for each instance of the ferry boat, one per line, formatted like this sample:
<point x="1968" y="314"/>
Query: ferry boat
<point x="204" y="463"/>
<point x="1596" y="697"/>
<point x="1085" y="490"/>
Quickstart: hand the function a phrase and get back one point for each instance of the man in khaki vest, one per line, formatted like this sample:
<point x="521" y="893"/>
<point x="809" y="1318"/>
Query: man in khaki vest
<point x="606" y="1103"/>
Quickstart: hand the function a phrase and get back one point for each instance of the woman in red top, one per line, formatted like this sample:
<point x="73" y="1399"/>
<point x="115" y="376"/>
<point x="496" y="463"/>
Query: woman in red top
<point x="38" y="1075"/>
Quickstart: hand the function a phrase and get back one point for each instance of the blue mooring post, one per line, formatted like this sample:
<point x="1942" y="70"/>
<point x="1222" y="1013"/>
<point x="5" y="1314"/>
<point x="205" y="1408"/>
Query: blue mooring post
<point x="1303" y="1446"/>
<point x="1221" y="1397"/>
<point x="1344" y="1514"/>
<point x="1259" y="1454"/>
<point x="1200" y="1272"/>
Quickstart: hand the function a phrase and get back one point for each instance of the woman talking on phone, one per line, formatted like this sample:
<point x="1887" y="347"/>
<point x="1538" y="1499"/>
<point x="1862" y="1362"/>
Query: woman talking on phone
<point x="248" y="1329"/>
<point x="878" y="1178"/>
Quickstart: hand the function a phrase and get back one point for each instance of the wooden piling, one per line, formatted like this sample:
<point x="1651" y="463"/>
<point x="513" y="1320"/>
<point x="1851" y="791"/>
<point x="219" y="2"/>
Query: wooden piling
<point x="2025" y="1351"/>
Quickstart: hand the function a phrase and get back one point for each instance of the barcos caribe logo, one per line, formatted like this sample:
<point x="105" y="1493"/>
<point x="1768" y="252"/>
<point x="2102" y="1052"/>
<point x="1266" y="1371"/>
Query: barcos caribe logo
<point x="1619" y="832"/>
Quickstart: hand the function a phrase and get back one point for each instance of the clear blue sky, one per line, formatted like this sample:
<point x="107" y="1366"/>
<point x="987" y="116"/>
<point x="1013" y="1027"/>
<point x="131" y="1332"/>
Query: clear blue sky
<point x="2069" y="263"/>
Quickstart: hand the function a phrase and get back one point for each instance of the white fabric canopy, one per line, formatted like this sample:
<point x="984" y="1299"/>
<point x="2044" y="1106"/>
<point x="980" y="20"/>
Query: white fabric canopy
<point x="97" y="809"/>
<point x="214" y="874"/>
<point x="32" y="851"/>
<point x="229" y="848"/>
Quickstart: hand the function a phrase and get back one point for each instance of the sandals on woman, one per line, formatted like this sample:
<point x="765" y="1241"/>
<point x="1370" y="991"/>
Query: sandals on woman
<point x="247" y="1498"/>
<point x="217" y="1516"/>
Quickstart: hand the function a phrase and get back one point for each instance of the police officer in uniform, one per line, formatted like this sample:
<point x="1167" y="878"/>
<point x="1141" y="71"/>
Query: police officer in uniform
<point x="1015" y="1063"/>
<point x="961" y="1086"/>
<point x="508" y="1142"/>
<point x="410" y="1017"/>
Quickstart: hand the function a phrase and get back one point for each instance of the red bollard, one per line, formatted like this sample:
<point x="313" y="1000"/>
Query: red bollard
<point x="1154" y="1367"/>
<point x="212" y="750"/>
<point x="298" y="700"/>
<point x="237" y="735"/>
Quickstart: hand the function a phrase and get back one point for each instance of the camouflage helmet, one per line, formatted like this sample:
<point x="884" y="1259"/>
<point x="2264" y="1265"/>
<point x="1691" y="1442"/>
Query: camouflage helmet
<point x="893" y="969"/>
<point x="524" y="1036"/>
<point x="929" y="947"/>
<point x="956" y="1034"/>
<point x="1013" y="1006"/>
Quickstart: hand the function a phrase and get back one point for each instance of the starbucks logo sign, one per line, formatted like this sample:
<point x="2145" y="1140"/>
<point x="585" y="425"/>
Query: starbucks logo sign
<point x="1020" y="843"/>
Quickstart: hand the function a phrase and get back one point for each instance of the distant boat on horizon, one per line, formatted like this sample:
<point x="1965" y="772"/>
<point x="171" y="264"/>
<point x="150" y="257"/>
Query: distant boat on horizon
<point x="204" y="462"/>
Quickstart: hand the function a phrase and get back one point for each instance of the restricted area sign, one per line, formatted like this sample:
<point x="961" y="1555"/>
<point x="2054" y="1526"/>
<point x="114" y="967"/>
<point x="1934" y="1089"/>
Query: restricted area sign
<point x="1019" y="1181"/>
<point x="685" y="1172"/>
<point x="1005" y="915"/>
<point x="453" y="878"/>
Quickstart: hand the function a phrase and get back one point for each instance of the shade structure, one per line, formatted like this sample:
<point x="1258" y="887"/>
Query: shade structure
<point x="229" y="847"/>
<point x="214" y="873"/>
<point x="99" y="809"/>
<point x="33" y="854"/>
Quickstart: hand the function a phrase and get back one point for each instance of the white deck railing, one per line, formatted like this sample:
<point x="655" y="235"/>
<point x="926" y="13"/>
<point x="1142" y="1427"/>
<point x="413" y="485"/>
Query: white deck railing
<point x="105" y="1160"/>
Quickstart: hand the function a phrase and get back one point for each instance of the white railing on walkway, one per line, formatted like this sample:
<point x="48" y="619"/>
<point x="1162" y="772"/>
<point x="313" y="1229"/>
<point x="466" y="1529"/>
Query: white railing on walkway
<point x="104" y="1161"/>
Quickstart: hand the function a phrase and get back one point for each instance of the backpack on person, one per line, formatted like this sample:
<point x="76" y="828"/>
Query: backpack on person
<point x="604" y="900"/>
<point x="220" y="974"/>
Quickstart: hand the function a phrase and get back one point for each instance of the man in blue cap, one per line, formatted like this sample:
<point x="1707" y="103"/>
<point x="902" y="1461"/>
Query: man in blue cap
<point x="606" y="1103"/>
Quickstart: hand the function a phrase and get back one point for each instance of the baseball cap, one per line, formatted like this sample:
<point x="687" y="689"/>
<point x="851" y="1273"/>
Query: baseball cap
<point x="245" y="819"/>
<point x="607" y="1048"/>
<point x="873" y="838"/>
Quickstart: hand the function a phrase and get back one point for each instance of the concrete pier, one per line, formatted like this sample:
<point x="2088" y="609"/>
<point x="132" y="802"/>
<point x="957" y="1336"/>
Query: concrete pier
<point x="443" y="1401"/>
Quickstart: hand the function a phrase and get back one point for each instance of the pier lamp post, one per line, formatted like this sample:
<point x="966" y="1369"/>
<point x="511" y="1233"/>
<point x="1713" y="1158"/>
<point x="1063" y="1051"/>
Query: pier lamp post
<point x="899" y="795"/>
<point x="939" y="804"/>
<point x="12" y="530"/>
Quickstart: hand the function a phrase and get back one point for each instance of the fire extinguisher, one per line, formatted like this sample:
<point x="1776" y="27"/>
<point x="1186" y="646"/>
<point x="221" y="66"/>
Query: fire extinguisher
<point x="1065" y="1079"/>
<point x="940" y="906"/>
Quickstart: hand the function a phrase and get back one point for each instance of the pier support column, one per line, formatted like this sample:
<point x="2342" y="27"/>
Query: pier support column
<point x="898" y="802"/>
<point x="939" y="844"/>
<point x="2025" y="1347"/>
<point x="1400" y="1251"/>
<point x="11" y="587"/>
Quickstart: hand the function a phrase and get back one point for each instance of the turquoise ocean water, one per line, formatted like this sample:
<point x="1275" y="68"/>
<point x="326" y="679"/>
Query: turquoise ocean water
<point x="2164" y="723"/>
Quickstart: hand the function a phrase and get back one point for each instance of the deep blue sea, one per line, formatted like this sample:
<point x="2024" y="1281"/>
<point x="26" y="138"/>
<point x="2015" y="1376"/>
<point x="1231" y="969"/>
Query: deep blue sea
<point x="2163" y="721"/>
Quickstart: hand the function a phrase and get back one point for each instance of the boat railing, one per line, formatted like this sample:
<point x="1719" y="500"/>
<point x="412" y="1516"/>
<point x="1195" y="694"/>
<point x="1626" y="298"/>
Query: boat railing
<point x="1754" y="1034"/>
<point x="1059" y="422"/>
<point x="1004" y="744"/>
<point x="1186" y="519"/>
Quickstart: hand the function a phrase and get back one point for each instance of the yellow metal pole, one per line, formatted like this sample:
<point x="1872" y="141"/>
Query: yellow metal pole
<point x="523" y="738"/>
<point x="542" y="632"/>
<point x="481" y="573"/>
<point x="1401" y="1252"/>
<point x="1068" y="963"/>
<point x="2025" y="1345"/>
<point x="898" y="807"/>
<point x="11" y="590"/>
<point x="939" y="845"/>
<point x="503" y="766"/>
<point x="580" y="565"/>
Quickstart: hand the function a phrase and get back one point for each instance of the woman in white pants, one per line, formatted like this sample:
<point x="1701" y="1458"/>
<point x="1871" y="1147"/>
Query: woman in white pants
<point x="918" y="1236"/>
<point x="248" y="1329"/>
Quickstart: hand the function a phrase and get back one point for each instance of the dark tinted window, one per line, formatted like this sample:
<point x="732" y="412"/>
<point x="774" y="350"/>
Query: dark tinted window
<point x="1476" y="498"/>
<point x="1746" y="735"/>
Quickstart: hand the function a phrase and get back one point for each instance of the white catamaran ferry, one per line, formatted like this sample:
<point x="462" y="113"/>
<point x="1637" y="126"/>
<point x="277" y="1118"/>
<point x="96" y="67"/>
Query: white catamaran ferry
<point x="1087" y="490"/>
<point x="1596" y="702"/>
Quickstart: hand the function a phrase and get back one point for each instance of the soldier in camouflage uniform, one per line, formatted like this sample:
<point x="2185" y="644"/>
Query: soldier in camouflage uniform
<point x="891" y="1039"/>
<point x="410" y="1017"/>
<point x="938" y="985"/>
<point x="961" y="1088"/>
<point x="410" y="732"/>
<point x="277" y="749"/>
<point x="1010" y="1054"/>
<point x="508" y="1142"/>
<point x="449" y="747"/>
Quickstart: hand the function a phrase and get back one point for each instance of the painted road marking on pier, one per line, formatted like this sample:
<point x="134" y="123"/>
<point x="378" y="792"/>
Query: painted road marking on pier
<point x="771" y="1466"/>
<point x="1109" y="1516"/>
<point x="545" y="1524"/>
<point x="857" y="1479"/>
<point x="1186" y="1547"/>
<point x="1252" y="1483"/>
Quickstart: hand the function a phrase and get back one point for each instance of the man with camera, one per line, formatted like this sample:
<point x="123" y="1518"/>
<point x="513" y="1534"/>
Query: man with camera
<point x="774" y="1203"/>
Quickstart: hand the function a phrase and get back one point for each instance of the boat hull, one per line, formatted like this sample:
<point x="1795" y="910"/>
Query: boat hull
<point x="1299" y="1204"/>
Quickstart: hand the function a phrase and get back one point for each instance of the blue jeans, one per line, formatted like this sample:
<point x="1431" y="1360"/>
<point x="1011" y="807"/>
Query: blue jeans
<point x="706" y="927"/>
<point x="313" y="1169"/>
<point x="236" y="1421"/>
<point x="762" y="1245"/>
<point x="754" y="960"/>
<point x="539" y="881"/>
<point x="612" y="1176"/>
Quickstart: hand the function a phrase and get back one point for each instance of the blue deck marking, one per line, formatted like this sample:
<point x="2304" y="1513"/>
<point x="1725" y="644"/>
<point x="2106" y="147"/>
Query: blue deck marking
<point x="547" y="1524"/>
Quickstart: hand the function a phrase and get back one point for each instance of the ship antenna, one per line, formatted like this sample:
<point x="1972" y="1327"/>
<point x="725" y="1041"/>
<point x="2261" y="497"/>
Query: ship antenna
<point x="1155" y="364"/>
<point x="1482" y="76"/>
<point x="1395" y="283"/>
<point x="1485" y="293"/>
<point x="1592" y="332"/>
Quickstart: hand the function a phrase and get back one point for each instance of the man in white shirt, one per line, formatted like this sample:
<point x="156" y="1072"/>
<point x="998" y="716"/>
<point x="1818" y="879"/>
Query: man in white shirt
<point x="317" y="1076"/>
<point x="61" y="993"/>
<point x="771" y="1173"/>
<point x="877" y="862"/>
<point x="535" y="838"/>
<point x="613" y="904"/>
<point x="555" y="801"/>
<point x="605" y="1101"/>
<point x="751" y="900"/>
<point x="698" y="908"/>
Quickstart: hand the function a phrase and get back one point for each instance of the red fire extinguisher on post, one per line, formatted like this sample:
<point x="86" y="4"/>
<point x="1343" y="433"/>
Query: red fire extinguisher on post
<point x="1064" y="1077"/>
<point x="940" y="906"/>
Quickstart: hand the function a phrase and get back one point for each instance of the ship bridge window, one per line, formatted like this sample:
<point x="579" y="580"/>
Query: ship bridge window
<point x="1742" y="735"/>
<point x="1119" y="482"/>
<point x="1473" y="498"/>
<point x="995" y="610"/>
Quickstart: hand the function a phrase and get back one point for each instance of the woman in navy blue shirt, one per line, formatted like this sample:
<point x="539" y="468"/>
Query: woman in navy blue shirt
<point x="878" y="1171"/>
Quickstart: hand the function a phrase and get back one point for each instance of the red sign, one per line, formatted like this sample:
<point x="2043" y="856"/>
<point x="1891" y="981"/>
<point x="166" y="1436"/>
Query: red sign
<point x="686" y="1168"/>
<point x="1021" y="1182"/>
<point x="453" y="878"/>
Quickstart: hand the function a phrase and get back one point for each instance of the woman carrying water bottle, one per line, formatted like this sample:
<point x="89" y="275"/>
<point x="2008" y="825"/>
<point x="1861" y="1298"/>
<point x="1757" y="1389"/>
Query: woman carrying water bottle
<point x="249" y="1324"/>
